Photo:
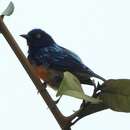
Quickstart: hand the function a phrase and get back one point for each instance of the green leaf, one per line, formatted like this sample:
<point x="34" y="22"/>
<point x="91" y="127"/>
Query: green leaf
<point x="9" y="10"/>
<point x="116" y="94"/>
<point x="71" y="86"/>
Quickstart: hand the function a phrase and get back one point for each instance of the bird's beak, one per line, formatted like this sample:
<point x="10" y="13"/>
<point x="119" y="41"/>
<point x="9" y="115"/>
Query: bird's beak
<point x="24" y="36"/>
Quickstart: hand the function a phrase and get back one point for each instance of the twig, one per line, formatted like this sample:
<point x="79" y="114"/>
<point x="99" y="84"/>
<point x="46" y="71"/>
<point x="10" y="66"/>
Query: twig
<point x="89" y="108"/>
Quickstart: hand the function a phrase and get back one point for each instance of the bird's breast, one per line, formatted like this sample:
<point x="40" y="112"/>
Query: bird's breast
<point x="52" y="77"/>
<point x="41" y="72"/>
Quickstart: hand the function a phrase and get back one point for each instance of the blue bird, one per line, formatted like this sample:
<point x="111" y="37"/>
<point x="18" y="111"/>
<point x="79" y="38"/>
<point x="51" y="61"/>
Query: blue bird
<point x="50" y="60"/>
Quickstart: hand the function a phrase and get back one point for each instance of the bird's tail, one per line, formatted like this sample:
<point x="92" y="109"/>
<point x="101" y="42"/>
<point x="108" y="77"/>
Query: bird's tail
<point x="98" y="76"/>
<point x="90" y="73"/>
<point x="85" y="77"/>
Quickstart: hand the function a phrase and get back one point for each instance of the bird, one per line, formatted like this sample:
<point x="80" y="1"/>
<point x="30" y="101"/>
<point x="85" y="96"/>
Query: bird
<point x="50" y="60"/>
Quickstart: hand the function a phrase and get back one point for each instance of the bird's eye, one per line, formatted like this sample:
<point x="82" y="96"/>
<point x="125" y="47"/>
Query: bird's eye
<point x="38" y="36"/>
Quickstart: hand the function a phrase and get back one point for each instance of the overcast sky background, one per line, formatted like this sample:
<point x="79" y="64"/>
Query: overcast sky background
<point x="97" y="30"/>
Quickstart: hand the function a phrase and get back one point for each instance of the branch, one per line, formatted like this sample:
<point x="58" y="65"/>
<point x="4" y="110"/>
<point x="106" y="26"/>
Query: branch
<point x="62" y="120"/>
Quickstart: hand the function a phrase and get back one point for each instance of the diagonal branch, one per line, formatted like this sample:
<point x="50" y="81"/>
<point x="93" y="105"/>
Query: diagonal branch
<point x="62" y="120"/>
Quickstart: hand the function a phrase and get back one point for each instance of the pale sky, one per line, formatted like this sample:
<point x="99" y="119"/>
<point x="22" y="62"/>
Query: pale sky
<point x="97" y="30"/>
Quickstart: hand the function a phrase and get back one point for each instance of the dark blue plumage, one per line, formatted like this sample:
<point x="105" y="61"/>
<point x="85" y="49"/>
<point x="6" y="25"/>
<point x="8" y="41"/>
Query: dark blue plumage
<point x="44" y="51"/>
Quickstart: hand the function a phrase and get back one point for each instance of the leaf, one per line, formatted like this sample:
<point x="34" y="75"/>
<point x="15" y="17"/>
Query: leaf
<point x="9" y="10"/>
<point x="116" y="94"/>
<point x="71" y="86"/>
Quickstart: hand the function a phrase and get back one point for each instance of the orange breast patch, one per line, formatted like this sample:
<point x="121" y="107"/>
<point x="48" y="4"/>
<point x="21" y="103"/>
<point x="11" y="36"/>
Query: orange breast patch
<point x="48" y="75"/>
<point x="41" y="72"/>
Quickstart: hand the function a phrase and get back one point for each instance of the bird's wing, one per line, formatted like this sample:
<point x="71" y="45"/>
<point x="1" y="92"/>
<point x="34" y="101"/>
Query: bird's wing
<point x="60" y="58"/>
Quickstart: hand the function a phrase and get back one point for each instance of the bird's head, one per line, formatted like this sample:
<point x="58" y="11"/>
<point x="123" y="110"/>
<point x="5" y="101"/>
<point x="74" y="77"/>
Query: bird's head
<point x="38" y="38"/>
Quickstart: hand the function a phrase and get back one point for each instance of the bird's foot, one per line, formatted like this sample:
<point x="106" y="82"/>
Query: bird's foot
<point x="44" y="85"/>
<point x="57" y="101"/>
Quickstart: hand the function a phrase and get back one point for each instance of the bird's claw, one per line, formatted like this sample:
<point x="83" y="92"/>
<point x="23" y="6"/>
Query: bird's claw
<point x="57" y="101"/>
